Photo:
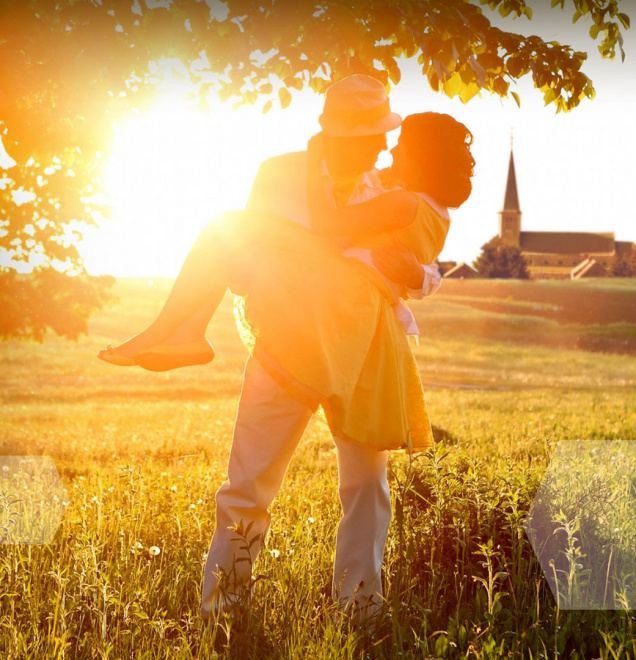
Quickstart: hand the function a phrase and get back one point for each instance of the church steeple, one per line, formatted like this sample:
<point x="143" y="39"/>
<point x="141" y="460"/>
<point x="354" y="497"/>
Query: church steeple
<point x="510" y="215"/>
<point x="511" y="198"/>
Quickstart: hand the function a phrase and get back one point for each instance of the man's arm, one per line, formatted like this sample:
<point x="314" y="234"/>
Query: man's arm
<point x="403" y="268"/>
<point x="386" y="212"/>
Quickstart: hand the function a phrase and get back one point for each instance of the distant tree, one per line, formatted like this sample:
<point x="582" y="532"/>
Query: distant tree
<point x="68" y="68"/>
<point x="499" y="260"/>
<point x="49" y="299"/>
<point x="624" y="266"/>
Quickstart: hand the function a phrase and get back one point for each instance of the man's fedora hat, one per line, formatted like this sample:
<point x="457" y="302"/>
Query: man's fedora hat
<point x="357" y="105"/>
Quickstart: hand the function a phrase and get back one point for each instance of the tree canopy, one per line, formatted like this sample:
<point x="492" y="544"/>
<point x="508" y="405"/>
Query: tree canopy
<point x="69" y="68"/>
<point x="624" y="266"/>
<point x="499" y="260"/>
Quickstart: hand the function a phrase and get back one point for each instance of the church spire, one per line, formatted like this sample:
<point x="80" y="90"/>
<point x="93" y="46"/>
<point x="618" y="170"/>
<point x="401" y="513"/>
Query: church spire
<point x="511" y="198"/>
<point x="510" y="215"/>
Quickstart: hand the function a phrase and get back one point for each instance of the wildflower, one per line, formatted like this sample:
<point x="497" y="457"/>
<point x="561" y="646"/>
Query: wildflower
<point x="173" y="489"/>
<point x="193" y="506"/>
<point x="153" y="551"/>
<point x="310" y="520"/>
<point x="275" y="553"/>
<point x="5" y="468"/>
<point x="136" y="548"/>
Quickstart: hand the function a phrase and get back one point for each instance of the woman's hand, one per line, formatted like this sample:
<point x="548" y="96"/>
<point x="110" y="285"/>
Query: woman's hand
<point x="399" y="266"/>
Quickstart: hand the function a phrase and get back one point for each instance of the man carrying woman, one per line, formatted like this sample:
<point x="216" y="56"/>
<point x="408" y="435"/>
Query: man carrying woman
<point x="326" y="328"/>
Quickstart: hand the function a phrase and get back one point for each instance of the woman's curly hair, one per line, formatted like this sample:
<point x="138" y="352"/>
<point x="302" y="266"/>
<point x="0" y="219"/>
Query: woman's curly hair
<point x="439" y="147"/>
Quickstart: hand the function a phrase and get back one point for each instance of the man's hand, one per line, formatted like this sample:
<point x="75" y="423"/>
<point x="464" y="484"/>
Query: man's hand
<point x="400" y="267"/>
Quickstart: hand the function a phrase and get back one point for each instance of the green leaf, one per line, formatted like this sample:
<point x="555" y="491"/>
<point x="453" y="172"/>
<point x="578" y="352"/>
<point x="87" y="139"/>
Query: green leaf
<point x="504" y="10"/>
<point x="549" y="96"/>
<point x="468" y="92"/>
<point x="284" y="96"/>
<point x="624" y="19"/>
<point x="594" y="30"/>
<point x="441" y="646"/>
<point x="515" y="96"/>
<point x="453" y="86"/>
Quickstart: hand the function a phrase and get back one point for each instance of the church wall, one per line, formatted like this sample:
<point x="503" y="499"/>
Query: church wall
<point x="537" y="259"/>
<point x="550" y="273"/>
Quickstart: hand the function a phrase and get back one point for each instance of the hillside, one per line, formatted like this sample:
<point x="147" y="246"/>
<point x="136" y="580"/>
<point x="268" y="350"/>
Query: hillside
<point x="590" y="315"/>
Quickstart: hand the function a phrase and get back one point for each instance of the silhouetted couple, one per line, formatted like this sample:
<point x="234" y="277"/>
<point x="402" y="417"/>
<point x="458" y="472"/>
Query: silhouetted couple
<point x="323" y="256"/>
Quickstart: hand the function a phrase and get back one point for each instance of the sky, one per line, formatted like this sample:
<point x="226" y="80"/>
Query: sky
<point x="173" y="170"/>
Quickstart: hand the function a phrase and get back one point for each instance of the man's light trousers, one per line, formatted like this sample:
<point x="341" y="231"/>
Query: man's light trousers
<point x="268" y="428"/>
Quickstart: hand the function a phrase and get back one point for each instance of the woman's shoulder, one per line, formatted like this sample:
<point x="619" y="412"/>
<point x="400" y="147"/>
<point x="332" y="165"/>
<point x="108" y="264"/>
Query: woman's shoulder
<point x="389" y="184"/>
<point x="442" y="211"/>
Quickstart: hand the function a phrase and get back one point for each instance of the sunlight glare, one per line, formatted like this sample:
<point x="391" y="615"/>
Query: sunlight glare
<point x="169" y="172"/>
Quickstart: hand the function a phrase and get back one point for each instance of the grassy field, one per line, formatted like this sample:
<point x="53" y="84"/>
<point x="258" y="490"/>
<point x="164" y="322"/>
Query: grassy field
<point x="510" y="369"/>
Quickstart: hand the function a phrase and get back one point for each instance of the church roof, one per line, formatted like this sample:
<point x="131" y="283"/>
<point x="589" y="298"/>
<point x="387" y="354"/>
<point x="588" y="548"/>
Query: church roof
<point x="625" y="248"/>
<point x="511" y="197"/>
<point x="462" y="270"/>
<point x="566" y="242"/>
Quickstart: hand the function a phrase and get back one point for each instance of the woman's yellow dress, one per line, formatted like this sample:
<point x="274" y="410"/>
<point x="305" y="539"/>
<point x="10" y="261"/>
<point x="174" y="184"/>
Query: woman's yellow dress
<point x="324" y="326"/>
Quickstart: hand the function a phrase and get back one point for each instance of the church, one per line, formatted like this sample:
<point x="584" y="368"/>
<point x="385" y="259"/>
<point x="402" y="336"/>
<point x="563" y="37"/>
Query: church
<point x="558" y="254"/>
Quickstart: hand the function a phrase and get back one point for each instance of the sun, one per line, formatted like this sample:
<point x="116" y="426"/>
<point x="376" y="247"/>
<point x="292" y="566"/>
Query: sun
<point x="169" y="172"/>
<point x="173" y="168"/>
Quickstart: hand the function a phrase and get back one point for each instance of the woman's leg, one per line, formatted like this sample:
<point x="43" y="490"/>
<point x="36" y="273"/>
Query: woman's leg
<point x="194" y="297"/>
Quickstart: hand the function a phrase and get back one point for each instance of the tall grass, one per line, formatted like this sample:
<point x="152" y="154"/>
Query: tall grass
<point x="141" y="456"/>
